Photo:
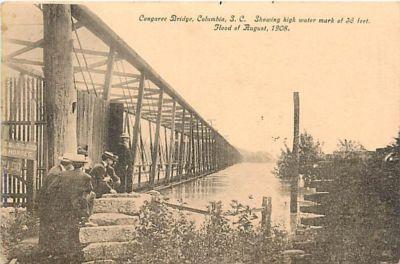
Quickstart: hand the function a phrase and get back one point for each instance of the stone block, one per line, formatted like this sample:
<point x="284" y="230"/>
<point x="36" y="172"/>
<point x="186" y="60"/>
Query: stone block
<point x="129" y="206"/>
<point x="106" y="234"/>
<point x="108" y="250"/>
<point x="122" y="195"/>
<point x="108" y="219"/>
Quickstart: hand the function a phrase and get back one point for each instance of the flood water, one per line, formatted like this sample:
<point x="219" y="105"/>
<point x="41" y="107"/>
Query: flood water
<point x="245" y="182"/>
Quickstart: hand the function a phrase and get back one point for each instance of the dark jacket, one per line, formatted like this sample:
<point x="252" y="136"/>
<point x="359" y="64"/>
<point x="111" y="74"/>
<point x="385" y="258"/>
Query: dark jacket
<point x="124" y="157"/>
<point x="99" y="175"/>
<point x="115" y="180"/>
<point x="67" y="204"/>
<point x="69" y="193"/>
<point x="123" y="167"/>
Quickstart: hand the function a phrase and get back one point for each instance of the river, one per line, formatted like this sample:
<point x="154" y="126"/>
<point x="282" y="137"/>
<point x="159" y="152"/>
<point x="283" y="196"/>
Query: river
<point x="245" y="182"/>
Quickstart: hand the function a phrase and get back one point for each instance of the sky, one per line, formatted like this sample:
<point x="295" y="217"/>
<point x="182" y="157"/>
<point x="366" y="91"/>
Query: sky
<point x="348" y="76"/>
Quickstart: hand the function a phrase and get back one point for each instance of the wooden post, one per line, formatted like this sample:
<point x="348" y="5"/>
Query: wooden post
<point x="31" y="171"/>
<point x="30" y="185"/>
<point x="266" y="215"/>
<point x="154" y="155"/>
<point x="136" y="127"/>
<point x="295" y="153"/>
<point x="172" y="143"/>
<point x="59" y="79"/>
<point x="182" y="145"/>
<point x="108" y="75"/>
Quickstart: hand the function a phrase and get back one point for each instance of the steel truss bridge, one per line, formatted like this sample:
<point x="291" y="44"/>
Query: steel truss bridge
<point x="170" y="140"/>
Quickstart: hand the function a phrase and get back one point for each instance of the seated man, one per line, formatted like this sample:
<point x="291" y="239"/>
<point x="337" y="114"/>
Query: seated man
<point x="113" y="180"/>
<point x="104" y="179"/>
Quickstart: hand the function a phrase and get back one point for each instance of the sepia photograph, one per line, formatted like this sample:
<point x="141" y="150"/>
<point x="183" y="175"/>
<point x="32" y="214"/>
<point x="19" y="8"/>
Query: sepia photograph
<point x="200" y="132"/>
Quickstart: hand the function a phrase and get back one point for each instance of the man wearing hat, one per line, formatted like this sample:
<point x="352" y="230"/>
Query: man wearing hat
<point x="70" y="200"/>
<point x="64" y="165"/>
<point x="44" y="195"/>
<point x="124" y="166"/>
<point x="104" y="179"/>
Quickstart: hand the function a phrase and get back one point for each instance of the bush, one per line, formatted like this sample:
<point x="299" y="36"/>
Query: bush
<point x="167" y="237"/>
<point x="363" y="213"/>
<point x="16" y="225"/>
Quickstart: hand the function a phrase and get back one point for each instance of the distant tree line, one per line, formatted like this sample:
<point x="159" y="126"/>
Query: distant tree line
<point x="259" y="156"/>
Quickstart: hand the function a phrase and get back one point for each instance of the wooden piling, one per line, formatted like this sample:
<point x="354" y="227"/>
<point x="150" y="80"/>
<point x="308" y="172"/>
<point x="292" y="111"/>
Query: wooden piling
<point x="295" y="154"/>
<point x="266" y="215"/>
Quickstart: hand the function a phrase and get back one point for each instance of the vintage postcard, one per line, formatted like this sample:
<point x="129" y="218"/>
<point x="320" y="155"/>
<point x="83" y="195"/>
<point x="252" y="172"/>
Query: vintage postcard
<point x="200" y="132"/>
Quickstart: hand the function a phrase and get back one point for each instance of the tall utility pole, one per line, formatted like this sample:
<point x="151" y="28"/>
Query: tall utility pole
<point x="295" y="153"/>
<point x="59" y="81"/>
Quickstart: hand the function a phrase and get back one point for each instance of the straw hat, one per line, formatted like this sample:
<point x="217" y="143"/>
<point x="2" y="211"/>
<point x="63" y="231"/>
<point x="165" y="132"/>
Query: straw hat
<point x="67" y="157"/>
<point x="110" y="155"/>
<point x="78" y="158"/>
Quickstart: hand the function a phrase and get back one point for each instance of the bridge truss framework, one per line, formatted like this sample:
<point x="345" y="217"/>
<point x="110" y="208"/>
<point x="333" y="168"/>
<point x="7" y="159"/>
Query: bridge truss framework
<point x="179" y="141"/>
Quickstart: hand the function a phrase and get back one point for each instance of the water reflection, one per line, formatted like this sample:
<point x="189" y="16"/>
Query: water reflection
<point x="245" y="182"/>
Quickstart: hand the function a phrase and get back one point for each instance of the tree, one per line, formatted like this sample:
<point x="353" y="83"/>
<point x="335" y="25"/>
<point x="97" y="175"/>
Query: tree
<point x="348" y="148"/>
<point x="310" y="152"/>
<point x="349" y="145"/>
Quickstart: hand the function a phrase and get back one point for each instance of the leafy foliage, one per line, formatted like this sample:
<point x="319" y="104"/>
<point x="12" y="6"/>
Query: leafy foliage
<point x="16" y="225"/>
<point x="362" y="215"/>
<point x="348" y="148"/>
<point x="169" y="237"/>
<point x="310" y="152"/>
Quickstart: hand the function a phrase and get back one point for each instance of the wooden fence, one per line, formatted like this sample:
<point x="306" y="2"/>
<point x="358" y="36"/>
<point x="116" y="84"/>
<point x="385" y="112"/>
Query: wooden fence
<point x="23" y="119"/>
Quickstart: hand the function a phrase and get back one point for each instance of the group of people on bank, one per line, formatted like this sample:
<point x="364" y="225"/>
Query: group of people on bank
<point x="67" y="195"/>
